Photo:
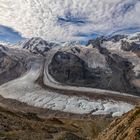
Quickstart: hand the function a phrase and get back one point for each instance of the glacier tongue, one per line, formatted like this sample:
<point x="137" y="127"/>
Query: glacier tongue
<point x="25" y="89"/>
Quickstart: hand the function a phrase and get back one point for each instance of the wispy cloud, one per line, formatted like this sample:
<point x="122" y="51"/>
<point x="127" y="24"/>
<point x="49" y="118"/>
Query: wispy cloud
<point x="64" y="20"/>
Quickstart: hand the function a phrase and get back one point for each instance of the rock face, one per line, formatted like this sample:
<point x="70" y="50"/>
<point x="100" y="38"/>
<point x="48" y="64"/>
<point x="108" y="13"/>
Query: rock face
<point x="95" y="67"/>
<point x="37" y="45"/>
<point x="11" y="66"/>
<point x="126" y="46"/>
<point x="125" y="128"/>
<point x="68" y="67"/>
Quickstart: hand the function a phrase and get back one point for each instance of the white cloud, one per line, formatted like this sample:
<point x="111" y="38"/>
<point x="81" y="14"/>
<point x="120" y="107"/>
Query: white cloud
<point x="40" y="17"/>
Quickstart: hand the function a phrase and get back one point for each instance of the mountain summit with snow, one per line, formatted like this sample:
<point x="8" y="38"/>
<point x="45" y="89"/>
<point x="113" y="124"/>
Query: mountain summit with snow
<point x="36" y="45"/>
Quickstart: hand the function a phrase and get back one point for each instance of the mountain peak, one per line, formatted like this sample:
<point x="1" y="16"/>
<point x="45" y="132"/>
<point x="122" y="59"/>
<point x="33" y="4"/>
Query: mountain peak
<point x="37" y="45"/>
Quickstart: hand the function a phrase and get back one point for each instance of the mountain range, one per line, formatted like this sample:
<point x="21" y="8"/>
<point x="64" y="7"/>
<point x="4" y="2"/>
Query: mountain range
<point x="100" y="80"/>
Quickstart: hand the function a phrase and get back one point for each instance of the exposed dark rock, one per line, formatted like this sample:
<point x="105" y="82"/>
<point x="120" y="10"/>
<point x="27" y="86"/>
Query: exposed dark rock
<point x="71" y="69"/>
<point x="97" y="42"/>
<point x="37" y="45"/>
<point x="11" y="67"/>
<point x="4" y="48"/>
<point x="126" y="46"/>
<point x="122" y="74"/>
<point x="116" y="38"/>
<point x="68" y="68"/>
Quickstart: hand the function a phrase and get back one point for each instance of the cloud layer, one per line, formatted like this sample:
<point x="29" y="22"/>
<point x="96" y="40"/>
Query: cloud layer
<point x="69" y="20"/>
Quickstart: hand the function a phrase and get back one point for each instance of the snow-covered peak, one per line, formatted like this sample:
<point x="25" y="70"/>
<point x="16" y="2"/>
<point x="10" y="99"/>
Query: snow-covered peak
<point x="128" y="48"/>
<point x="5" y="43"/>
<point x="36" y="45"/>
<point x="129" y="43"/>
<point x="3" y="48"/>
<point x="134" y="36"/>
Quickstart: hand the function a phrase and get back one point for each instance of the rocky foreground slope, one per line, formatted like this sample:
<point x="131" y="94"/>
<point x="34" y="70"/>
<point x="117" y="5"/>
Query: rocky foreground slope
<point x="16" y="124"/>
<point x="125" y="128"/>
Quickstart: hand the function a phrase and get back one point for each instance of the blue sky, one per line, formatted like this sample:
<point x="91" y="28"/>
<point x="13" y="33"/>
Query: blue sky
<point x="9" y="35"/>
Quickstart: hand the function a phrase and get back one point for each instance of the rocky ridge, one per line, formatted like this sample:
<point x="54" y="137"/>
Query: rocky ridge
<point x="103" y="64"/>
<point x="125" y="128"/>
<point x="36" y="45"/>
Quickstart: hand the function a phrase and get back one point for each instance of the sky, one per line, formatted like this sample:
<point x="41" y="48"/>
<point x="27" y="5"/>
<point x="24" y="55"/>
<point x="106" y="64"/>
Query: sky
<point x="67" y="20"/>
<point x="9" y="35"/>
